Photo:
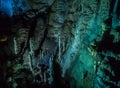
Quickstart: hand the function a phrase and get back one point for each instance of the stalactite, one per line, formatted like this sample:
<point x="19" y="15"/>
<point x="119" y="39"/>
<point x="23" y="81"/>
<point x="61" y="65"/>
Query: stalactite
<point x="20" y="40"/>
<point x="15" y="46"/>
<point x="65" y="63"/>
<point x="59" y="45"/>
<point x="60" y="40"/>
<point x="51" y="70"/>
<point x="56" y="20"/>
<point x="115" y="20"/>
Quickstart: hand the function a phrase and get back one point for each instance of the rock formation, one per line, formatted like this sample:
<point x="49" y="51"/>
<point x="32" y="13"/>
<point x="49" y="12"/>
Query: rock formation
<point x="59" y="43"/>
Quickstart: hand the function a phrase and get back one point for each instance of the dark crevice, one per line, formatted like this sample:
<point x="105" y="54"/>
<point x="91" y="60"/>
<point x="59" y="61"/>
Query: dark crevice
<point x="112" y="3"/>
<point x="107" y="44"/>
<point x="43" y="39"/>
<point x="118" y="9"/>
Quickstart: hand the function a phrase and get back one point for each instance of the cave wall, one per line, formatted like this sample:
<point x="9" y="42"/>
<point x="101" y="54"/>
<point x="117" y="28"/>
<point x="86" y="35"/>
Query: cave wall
<point x="65" y="43"/>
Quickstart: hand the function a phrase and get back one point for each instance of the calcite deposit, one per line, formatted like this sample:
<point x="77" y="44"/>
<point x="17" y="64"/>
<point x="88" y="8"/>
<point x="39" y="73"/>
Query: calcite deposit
<point x="59" y="43"/>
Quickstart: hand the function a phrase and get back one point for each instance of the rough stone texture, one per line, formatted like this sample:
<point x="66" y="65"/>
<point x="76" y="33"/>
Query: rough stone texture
<point x="60" y="43"/>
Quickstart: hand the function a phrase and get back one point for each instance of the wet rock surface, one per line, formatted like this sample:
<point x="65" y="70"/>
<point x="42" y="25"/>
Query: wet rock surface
<point x="59" y="43"/>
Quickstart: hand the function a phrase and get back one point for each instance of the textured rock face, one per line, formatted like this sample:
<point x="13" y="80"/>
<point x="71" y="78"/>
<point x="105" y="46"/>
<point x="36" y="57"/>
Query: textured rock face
<point x="60" y="43"/>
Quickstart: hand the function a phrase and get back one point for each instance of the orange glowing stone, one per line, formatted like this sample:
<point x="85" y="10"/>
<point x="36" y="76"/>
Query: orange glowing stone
<point x="3" y="38"/>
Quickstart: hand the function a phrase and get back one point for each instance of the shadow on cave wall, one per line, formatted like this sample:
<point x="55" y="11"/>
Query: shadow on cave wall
<point x="107" y="44"/>
<point x="109" y="52"/>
